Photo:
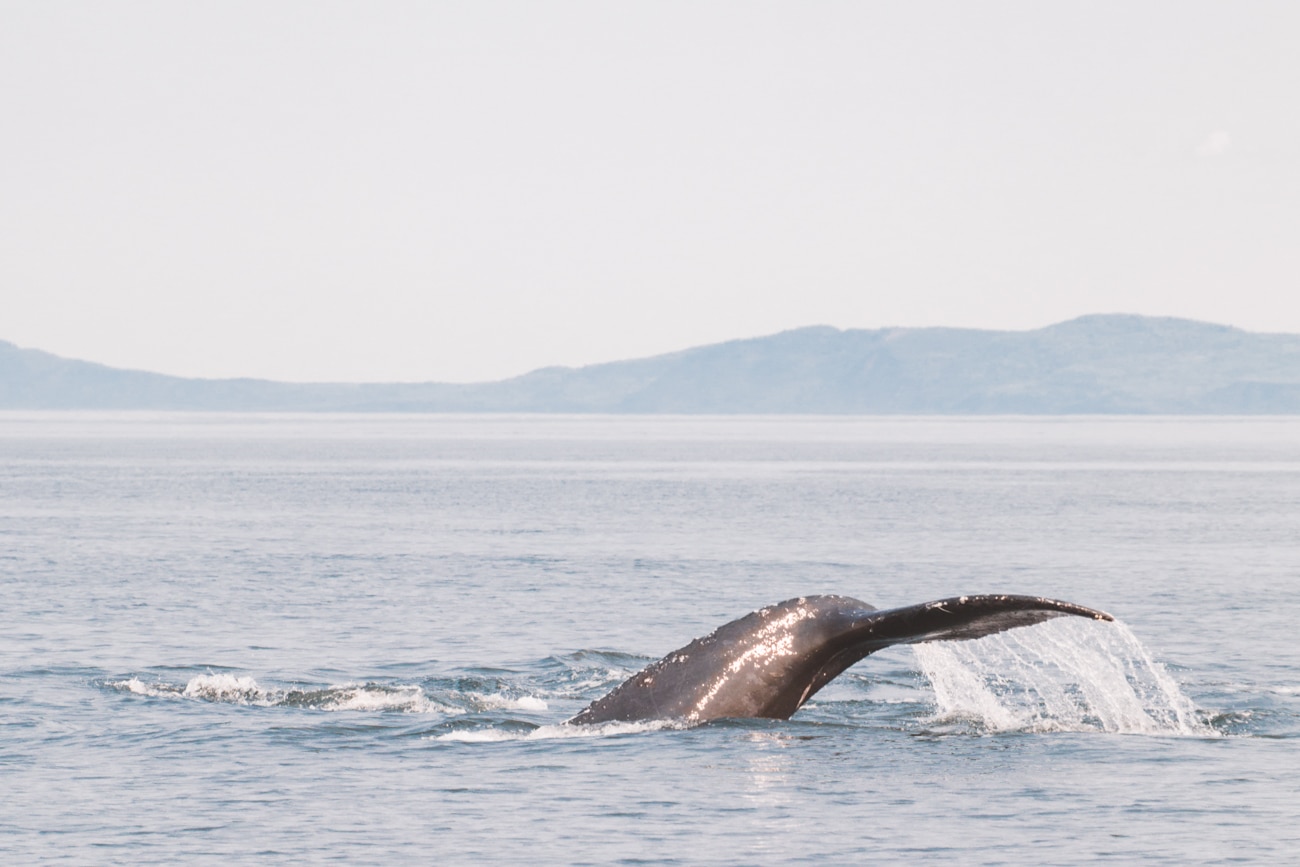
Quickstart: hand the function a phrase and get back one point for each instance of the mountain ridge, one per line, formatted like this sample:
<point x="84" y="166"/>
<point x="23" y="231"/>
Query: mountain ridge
<point x="1099" y="363"/>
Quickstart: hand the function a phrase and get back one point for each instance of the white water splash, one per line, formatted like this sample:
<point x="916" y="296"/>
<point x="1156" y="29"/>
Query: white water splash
<point x="1063" y="675"/>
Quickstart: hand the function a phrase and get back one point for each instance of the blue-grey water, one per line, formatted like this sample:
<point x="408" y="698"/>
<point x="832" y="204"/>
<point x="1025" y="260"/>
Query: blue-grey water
<point x="355" y="638"/>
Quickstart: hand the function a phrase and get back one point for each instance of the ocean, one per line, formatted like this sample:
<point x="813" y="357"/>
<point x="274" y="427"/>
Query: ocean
<point x="356" y="638"/>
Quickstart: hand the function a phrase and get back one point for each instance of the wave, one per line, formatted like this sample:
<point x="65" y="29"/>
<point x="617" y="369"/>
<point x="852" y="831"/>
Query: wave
<point x="233" y="689"/>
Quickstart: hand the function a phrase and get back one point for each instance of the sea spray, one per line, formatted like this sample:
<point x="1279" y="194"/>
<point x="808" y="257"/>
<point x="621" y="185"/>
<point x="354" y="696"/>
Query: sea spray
<point x="1064" y="675"/>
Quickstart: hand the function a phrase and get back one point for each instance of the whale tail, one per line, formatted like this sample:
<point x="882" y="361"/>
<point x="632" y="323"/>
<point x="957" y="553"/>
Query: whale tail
<point x="769" y="662"/>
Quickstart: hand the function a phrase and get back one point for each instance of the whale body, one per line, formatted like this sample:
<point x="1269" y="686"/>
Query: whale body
<point x="768" y="663"/>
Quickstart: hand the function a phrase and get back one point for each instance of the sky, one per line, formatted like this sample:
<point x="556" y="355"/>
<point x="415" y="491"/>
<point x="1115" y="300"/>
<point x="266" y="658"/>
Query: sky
<point x="465" y="191"/>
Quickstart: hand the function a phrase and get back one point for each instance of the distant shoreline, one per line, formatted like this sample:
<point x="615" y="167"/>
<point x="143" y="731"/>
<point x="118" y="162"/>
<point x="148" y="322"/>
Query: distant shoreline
<point x="1094" y="365"/>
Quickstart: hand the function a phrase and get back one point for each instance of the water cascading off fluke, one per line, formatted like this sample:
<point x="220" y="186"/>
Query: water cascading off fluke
<point x="1063" y="675"/>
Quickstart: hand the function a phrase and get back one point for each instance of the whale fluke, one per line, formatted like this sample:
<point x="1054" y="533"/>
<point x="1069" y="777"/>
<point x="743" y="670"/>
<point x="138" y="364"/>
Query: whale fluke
<point x="769" y="662"/>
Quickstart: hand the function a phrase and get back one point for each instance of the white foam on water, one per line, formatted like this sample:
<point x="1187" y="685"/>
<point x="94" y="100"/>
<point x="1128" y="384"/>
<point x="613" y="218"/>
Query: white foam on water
<point x="226" y="688"/>
<point x="557" y="731"/>
<point x="493" y="701"/>
<point x="408" y="699"/>
<point x="208" y="687"/>
<point x="356" y="697"/>
<point x="602" y="730"/>
<point x="1063" y="675"/>
<point x="480" y="736"/>
<point x="138" y="687"/>
<point x="610" y="676"/>
<point x="363" y="698"/>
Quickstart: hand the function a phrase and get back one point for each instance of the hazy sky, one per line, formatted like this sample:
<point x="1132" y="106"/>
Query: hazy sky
<point x="465" y="191"/>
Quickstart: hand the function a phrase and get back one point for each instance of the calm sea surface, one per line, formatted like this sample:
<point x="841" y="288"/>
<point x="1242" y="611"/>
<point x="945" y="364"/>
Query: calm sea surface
<point x="354" y="638"/>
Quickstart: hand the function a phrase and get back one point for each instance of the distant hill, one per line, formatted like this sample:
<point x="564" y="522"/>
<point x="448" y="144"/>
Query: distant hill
<point x="1094" y="364"/>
